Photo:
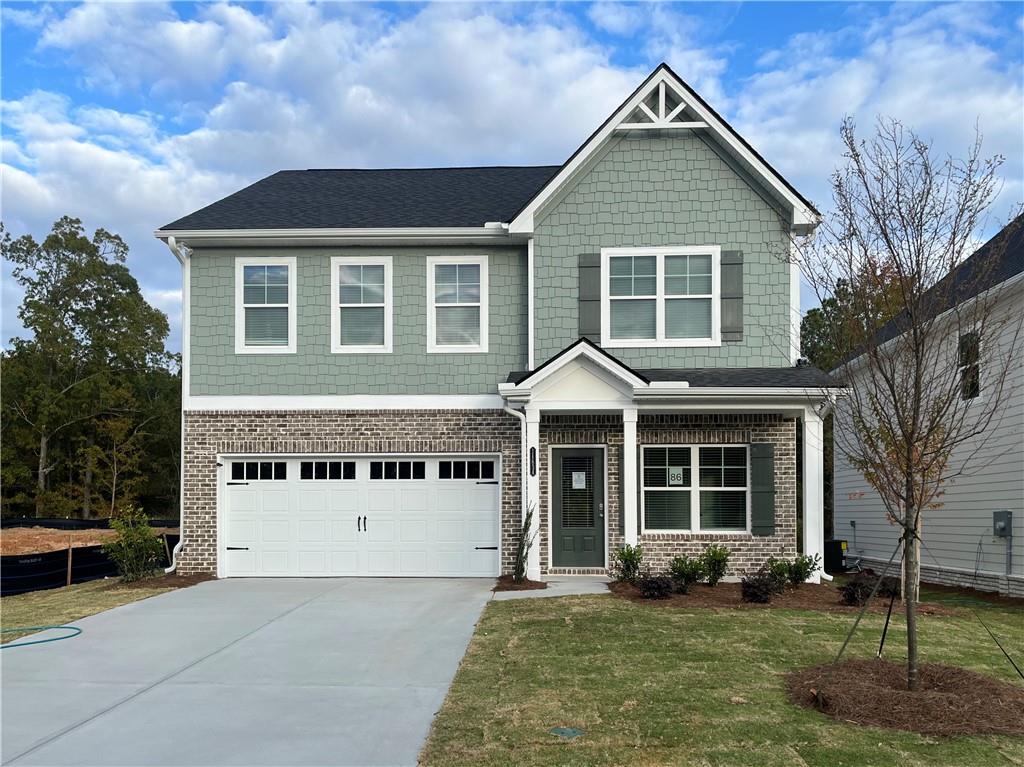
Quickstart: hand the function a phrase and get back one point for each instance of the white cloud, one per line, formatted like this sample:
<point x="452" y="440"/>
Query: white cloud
<point x="623" y="19"/>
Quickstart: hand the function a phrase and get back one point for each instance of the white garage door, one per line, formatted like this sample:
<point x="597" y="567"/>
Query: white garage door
<point x="377" y="516"/>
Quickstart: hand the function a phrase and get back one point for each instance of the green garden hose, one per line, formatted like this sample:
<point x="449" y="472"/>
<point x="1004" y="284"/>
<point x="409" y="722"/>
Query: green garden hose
<point x="75" y="629"/>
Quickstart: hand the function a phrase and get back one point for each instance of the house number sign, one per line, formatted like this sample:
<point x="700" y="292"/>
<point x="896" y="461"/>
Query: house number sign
<point x="675" y="475"/>
<point x="579" y="480"/>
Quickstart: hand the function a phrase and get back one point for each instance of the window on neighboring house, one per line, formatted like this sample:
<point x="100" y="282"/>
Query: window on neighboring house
<point x="361" y="316"/>
<point x="660" y="297"/>
<point x="265" y="305"/>
<point x="722" y="480"/>
<point x="457" y="304"/>
<point x="969" y="354"/>
<point x="667" y="485"/>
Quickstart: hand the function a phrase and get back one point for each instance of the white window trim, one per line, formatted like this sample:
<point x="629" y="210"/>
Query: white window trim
<point x="335" y="294"/>
<point x="432" y="346"/>
<point x="240" y="264"/>
<point x="695" y="489"/>
<point x="715" y="251"/>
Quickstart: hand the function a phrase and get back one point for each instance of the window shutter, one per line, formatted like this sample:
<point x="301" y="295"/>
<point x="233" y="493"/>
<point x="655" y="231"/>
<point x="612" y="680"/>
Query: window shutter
<point x="762" y="488"/>
<point x="590" y="296"/>
<point x="732" y="295"/>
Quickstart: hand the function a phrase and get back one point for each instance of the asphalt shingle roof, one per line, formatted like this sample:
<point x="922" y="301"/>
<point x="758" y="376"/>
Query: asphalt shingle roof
<point x="799" y="377"/>
<point x="356" y="199"/>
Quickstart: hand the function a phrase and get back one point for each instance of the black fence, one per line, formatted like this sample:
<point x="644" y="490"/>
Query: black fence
<point x="20" y="573"/>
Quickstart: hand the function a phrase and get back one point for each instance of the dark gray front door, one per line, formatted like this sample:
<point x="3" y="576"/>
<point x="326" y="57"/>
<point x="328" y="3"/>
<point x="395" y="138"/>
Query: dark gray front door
<point x="577" y="525"/>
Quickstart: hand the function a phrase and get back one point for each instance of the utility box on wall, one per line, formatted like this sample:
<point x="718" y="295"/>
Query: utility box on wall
<point x="1002" y="524"/>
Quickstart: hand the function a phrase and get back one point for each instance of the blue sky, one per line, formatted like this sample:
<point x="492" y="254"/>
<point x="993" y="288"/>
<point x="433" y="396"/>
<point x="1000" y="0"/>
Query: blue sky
<point x="130" y="115"/>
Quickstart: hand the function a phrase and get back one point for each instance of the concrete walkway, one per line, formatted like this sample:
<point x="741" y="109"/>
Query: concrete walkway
<point x="245" y="672"/>
<point x="561" y="586"/>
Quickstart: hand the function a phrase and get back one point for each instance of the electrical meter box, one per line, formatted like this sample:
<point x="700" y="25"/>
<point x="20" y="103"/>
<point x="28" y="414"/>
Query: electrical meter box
<point x="1002" y="524"/>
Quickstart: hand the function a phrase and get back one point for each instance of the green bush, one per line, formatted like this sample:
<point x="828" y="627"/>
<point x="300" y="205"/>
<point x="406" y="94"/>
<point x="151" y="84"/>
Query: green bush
<point x="780" y="570"/>
<point x="627" y="563"/>
<point x="685" y="571"/>
<point x="714" y="561"/>
<point x="655" y="587"/>
<point x="801" y="568"/>
<point x="761" y="586"/>
<point x="136" y="550"/>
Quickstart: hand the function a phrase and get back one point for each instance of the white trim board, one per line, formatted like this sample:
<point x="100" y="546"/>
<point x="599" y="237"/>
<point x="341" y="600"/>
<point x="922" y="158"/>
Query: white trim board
<point x="344" y="402"/>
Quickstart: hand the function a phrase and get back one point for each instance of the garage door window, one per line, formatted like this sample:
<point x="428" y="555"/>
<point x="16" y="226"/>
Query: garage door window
<point x="465" y="470"/>
<point x="327" y="470"/>
<point x="258" y="470"/>
<point x="398" y="470"/>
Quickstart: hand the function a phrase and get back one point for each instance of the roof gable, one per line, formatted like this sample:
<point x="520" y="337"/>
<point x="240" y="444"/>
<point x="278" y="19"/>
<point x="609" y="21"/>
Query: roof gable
<point x="664" y="102"/>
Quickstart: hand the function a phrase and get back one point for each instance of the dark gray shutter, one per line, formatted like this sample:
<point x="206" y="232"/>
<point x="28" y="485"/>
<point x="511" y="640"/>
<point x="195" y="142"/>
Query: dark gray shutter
<point x="732" y="295"/>
<point x="762" y="488"/>
<point x="590" y="296"/>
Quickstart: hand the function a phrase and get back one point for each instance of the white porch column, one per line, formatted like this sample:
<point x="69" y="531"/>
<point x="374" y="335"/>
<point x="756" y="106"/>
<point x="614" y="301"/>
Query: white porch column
<point x="814" y="487"/>
<point x="627" y="475"/>
<point x="532" y="470"/>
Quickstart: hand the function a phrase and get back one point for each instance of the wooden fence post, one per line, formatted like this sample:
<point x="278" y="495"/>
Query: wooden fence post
<point x="70" y="549"/>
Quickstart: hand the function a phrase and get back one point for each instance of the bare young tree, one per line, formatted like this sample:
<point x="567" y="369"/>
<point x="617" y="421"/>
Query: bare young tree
<point x="912" y="315"/>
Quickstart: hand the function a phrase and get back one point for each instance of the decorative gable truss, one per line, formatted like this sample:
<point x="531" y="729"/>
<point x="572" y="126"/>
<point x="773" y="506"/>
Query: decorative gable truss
<point x="663" y="108"/>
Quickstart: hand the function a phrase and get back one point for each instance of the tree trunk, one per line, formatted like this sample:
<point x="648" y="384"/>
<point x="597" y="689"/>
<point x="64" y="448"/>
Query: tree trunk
<point x="41" y="475"/>
<point x="87" y="479"/>
<point x="912" y="561"/>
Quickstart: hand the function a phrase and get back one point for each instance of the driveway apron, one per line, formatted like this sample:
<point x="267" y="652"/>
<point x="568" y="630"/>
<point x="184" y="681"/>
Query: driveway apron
<point x="245" y="672"/>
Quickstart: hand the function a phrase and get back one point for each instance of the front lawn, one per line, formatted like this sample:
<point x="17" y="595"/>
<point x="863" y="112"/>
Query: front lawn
<point x="670" y="686"/>
<point x="53" y="607"/>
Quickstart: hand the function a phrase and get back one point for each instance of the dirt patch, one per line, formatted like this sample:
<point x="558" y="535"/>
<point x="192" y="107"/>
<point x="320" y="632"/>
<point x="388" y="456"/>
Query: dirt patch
<point x="951" y="701"/>
<point x="809" y="596"/>
<point x="166" y="581"/>
<point x="505" y="583"/>
<point x="37" y="540"/>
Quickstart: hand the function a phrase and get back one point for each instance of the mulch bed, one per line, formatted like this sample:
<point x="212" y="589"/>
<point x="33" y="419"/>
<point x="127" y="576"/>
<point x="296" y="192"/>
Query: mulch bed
<point x="505" y="583"/>
<point x="167" y="581"/>
<point x="38" y="540"/>
<point x="808" y="596"/>
<point x="951" y="701"/>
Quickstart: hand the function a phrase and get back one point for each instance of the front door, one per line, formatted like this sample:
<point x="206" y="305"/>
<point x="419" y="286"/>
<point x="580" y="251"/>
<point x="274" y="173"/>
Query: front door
<point x="577" y="477"/>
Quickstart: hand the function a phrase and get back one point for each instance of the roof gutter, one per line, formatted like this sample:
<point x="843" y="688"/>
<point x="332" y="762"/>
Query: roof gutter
<point x="182" y="255"/>
<point x="492" y="232"/>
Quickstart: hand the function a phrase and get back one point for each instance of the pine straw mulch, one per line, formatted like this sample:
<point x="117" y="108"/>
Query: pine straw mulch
<point x="808" y="596"/>
<point x="951" y="701"/>
<point x="38" y="540"/>
<point x="505" y="583"/>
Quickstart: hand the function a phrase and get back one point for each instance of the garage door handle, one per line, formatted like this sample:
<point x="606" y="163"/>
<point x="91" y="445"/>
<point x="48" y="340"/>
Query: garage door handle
<point x="238" y="483"/>
<point x="365" y="526"/>
<point x="486" y="548"/>
<point x="238" y="548"/>
<point x="488" y="483"/>
<point x="359" y="524"/>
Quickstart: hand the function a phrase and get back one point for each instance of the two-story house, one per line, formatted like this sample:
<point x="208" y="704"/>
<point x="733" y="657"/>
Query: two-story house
<point x="384" y="369"/>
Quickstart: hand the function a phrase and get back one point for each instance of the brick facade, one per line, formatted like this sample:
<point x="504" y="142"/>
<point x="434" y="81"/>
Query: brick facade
<point x="431" y="432"/>
<point x="749" y="551"/>
<point x="428" y="432"/>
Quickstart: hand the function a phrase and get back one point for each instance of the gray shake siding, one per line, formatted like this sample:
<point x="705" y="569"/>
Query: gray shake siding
<point x="313" y="369"/>
<point x="656" y="191"/>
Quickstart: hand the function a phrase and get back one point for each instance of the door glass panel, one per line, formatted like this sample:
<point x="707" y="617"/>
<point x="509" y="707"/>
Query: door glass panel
<point x="577" y="491"/>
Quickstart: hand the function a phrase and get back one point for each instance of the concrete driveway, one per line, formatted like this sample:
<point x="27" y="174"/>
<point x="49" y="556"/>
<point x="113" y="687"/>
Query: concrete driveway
<point x="245" y="672"/>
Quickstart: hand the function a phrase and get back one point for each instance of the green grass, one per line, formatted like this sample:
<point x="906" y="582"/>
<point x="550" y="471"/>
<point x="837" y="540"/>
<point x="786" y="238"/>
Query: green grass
<point x="665" y="686"/>
<point x="54" y="607"/>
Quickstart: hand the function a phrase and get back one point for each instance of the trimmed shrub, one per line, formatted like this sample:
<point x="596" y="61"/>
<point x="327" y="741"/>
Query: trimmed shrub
<point x="685" y="572"/>
<point x="859" y="588"/>
<point x="627" y="563"/>
<point x="136" y="550"/>
<point x="800" y="569"/>
<point x="779" y="569"/>
<point x="655" y="587"/>
<point x="761" y="586"/>
<point x="713" y="562"/>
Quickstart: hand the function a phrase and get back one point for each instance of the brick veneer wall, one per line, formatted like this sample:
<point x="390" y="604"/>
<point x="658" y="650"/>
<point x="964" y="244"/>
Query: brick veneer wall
<point x="432" y="432"/>
<point x="749" y="551"/>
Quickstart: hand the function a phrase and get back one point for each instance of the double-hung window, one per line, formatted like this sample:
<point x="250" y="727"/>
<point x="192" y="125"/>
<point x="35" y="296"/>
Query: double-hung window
<point x="661" y="296"/>
<point x="361" y="296"/>
<point x="457" y="304"/>
<point x="693" y="488"/>
<point x="969" y="363"/>
<point x="265" y="305"/>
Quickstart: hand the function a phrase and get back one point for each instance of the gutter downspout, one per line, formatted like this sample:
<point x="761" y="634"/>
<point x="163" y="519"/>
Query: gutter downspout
<point x="522" y="456"/>
<point x="172" y="244"/>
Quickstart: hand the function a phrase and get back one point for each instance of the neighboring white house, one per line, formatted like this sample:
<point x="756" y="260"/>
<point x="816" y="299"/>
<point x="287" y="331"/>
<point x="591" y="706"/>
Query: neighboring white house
<point x="962" y="546"/>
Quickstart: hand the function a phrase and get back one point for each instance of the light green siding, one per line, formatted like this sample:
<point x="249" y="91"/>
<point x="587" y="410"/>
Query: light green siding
<point x="313" y="369"/>
<point x="658" y="190"/>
